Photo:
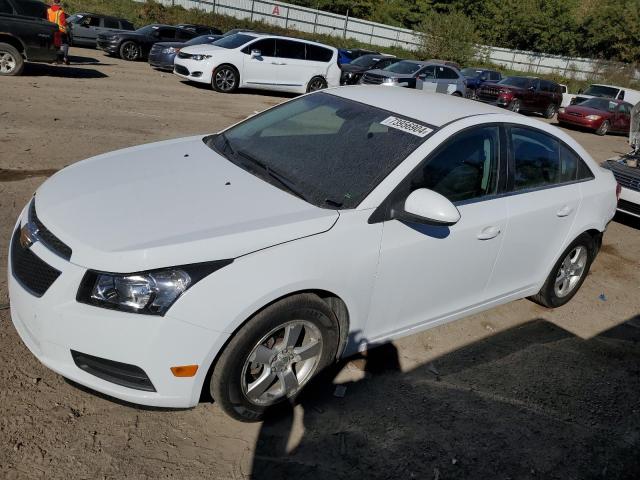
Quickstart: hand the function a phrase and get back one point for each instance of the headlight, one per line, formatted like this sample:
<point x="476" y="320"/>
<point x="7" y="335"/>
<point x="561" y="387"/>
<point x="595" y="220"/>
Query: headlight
<point x="561" y="110"/>
<point x="390" y="80"/>
<point x="593" y="117"/>
<point x="170" y="50"/>
<point x="349" y="75"/>
<point x="200" y="57"/>
<point x="151" y="292"/>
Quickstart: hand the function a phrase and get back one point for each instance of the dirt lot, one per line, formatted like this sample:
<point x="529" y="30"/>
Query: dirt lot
<point x="517" y="392"/>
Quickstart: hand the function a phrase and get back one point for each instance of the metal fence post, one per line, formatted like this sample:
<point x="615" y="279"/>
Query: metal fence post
<point x="346" y="22"/>
<point x="315" y="22"/>
<point x="214" y="7"/>
<point x="286" y="20"/>
<point x="253" y="3"/>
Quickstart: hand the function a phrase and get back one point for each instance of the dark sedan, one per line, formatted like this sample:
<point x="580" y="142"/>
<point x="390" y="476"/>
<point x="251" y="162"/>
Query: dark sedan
<point x="351" y="72"/>
<point x="137" y="44"/>
<point x="163" y="54"/>
<point x="400" y="74"/>
<point x="600" y="115"/>
<point x="348" y="55"/>
<point x="476" y="77"/>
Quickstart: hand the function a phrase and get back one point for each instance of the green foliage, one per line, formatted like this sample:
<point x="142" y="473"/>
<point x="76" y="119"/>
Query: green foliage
<point x="448" y="36"/>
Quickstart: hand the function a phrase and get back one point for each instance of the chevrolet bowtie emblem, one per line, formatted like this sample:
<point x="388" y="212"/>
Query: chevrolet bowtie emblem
<point x="28" y="235"/>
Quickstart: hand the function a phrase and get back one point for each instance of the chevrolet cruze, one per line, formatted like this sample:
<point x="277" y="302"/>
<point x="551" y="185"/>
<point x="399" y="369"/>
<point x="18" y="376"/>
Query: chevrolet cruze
<point x="244" y="262"/>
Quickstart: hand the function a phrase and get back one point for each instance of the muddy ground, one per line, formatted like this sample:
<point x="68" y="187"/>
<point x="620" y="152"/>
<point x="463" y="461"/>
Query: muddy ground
<point x="514" y="393"/>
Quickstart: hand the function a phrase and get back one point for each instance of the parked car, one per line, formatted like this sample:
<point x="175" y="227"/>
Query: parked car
<point x="83" y="28"/>
<point x="261" y="61"/>
<point x="353" y="71"/>
<point x="448" y="63"/>
<point x="136" y="45"/>
<point x="600" y="115"/>
<point x="200" y="29"/>
<point x="477" y="77"/>
<point x="440" y="78"/>
<point x="334" y="222"/>
<point x="163" y="54"/>
<point x="348" y="55"/>
<point x="607" y="91"/>
<point x="626" y="169"/>
<point x="400" y="74"/>
<point x="523" y="94"/>
<point x="25" y="35"/>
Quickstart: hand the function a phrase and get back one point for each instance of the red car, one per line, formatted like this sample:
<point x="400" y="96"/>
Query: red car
<point x="601" y="115"/>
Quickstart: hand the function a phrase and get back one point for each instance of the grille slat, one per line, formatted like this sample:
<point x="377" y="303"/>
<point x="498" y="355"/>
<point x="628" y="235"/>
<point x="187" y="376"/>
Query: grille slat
<point x="371" y="79"/>
<point x="33" y="274"/>
<point x="47" y="238"/>
<point x="629" y="207"/>
<point x="627" y="177"/>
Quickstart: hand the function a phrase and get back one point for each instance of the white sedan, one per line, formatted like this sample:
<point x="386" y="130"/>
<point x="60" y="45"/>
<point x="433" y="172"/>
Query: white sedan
<point x="245" y="262"/>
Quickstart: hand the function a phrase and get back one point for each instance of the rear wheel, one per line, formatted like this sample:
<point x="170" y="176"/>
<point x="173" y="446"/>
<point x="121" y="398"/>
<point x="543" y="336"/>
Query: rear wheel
<point x="514" y="105"/>
<point x="456" y="94"/>
<point x="130" y="51"/>
<point x="273" y="356"/>
<point x="11" y="61"/>
<point x="550" y="111"/>
<point x="568" y="273"/>
<point x="316" y="83"/>
<point x="603" y="128"/>
<point x="225" y="79"/>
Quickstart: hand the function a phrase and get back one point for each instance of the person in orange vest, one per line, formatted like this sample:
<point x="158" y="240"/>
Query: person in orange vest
<point x="55" y="14"/>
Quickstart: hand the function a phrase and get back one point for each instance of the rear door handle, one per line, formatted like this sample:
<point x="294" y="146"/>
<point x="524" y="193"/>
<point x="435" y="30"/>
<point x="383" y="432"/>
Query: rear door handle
<point x="488" y="233"/>
<point x="565" y="211"/>
<point x="278" y="63"/>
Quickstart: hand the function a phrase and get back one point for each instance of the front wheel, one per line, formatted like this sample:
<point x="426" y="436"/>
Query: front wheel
<point x="514" y="105"/>
<point x="130" y="51"/>
<point x="11" y="61"/>
<point x="225" y="79"/>
<point x="568" y="273"/>
<point x="273" y="356"/>
<point x="316" y="83"/>
<point x="603" y="128"/>
<point x="456" y="94"/>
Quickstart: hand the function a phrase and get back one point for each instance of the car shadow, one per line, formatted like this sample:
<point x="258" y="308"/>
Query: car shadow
<point x="61" y="71"/>
<point x="534" y="401"/>
<point x="79" y="60"/>
<point x="247" y="91"/>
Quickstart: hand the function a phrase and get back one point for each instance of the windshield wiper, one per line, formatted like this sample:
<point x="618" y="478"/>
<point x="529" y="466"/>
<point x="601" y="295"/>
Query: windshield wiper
<point x="281" y="179"/>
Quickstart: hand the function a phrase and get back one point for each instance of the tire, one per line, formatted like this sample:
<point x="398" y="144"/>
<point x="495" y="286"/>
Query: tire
<point x="250" y="374"/>
<point x="456" y="94"/>
<point x="11" y="61"/>
<point x="551" y="295"/>
<point x="130" y="51"/>
<point x="316" y="83"/>
<point x="551" y="110"/>
<point x="225" y="79"/>
<point x="603" y="128"/>
<point x="514" y="105"/>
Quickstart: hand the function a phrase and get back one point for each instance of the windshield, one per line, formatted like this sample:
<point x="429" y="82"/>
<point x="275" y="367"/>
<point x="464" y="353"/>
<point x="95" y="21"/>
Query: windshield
<point x="366" y="61"/>
<point x="601" y="91"/>
<point x="203" y="39"/>
<point x="146" y="30"/>
<point x="328" y="150"/>
<point x="518" y="82"/>
<point x="599" y="104"/>
<point x="404" y="67"/>
<point x="233" y="41"/>
<point x="471" y="72"/>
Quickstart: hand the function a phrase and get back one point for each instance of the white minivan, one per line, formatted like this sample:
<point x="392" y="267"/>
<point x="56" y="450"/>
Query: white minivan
<point x="268" y="62"/>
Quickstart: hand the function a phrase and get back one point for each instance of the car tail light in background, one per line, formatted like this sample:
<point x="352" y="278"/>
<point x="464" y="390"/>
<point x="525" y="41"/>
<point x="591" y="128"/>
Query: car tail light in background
<point x="618" y="191"/>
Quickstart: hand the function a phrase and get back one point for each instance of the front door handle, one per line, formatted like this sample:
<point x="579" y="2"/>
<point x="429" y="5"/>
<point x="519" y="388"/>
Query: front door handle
<point x="278" y="63"/>
<point x="565" y="211"/>
<point x="488" y="233"/>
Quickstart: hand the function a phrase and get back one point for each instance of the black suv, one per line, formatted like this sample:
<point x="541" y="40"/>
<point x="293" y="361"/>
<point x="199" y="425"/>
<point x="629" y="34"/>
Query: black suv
<point x="84" y="28"/>
<point x="25" y="34"/>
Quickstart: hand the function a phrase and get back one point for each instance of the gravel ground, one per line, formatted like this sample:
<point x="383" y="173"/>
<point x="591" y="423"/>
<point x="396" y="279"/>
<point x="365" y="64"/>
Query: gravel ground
<point x="516" y="392"/>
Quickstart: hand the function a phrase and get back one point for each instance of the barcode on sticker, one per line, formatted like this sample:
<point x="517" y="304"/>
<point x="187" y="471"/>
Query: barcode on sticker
<point x="407" y="126"/>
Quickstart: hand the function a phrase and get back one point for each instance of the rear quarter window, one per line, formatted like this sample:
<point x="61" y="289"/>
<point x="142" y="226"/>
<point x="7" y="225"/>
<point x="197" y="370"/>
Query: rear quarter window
<point x="316" y="53"/>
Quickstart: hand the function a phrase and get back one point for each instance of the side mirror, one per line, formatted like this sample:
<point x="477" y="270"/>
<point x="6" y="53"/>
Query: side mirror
<point x="426" y="206"/>
<point x="532" y="89"/>
<point x="256" y="53"/>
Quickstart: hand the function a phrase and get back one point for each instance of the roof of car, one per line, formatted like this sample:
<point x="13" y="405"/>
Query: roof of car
<point x="100" y="15"/>
<point x="431" y="108"/>
<point x="270" y="35"/>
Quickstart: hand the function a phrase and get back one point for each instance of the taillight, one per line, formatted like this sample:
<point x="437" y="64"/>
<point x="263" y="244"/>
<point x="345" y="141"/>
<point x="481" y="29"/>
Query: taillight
<point x="618" y="191"/>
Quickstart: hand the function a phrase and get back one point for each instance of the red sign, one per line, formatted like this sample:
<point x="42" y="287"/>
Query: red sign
<point x="276" y="10"/>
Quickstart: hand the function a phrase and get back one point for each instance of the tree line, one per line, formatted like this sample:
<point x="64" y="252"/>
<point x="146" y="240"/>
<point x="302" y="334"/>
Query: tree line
<point x="603" y="29"/>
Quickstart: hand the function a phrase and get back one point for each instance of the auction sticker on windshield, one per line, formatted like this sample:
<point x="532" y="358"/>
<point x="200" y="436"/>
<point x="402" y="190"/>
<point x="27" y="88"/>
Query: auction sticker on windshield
<point x="407" y="126"/>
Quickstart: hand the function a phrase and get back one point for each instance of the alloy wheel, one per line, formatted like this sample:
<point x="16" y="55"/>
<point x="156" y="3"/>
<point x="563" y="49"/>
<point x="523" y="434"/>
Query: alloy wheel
<point x="570" y="272"/>
<point x="514" y="106"/>
<point x="316" y="84"/>
<point x="7" y="63"/>
<point x="130" y="51"/>
<point x="282" y="362"/>
<point x="225" y="79"/>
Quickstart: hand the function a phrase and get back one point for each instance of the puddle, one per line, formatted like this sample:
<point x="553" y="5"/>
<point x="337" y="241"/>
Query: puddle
<point x="10" y="175"/>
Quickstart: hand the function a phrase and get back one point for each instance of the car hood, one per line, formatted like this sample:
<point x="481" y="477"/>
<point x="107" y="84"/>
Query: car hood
<point x="347" y="67"/>
<point x="170" y="203"/>
<point x="584" y="111"/>
<point x="506" y="88"/>
<point x="205" y="48"/>
<point x="169" y="44"/>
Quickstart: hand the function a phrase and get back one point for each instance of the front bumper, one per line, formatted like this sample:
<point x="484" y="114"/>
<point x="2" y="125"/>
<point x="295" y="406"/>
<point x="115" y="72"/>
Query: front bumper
<point x="108" y="46"/>
<point x="193" y="70"/>
<point x="55" y="324"/>
<point x="496" y="102"/>
<point x="579" y="121"/>
<point x="162" y="61"/>
<point x="629" y="202"/>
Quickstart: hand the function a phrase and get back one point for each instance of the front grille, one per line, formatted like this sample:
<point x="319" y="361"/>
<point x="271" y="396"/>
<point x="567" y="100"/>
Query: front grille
<point x="184" y="55"/>
<point x="181" y="70"/>
<point x="627" y="177"/>
<point x="372" y="79"/>
<point x="488" y="93"/>
<point x="47" y="238"/>
<point x="575" y="114"/>
<point x="155" y="49"/>
<point x="32" y="273"/>
<point x="629" y="207"/>
<point x="119" y="373"/>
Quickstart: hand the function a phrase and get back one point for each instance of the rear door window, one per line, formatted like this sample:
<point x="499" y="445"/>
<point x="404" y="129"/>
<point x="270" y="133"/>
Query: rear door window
<point x="290" y="49"/>
<point x="111" y="23"/>
<point x="166" y="33"/>
<point x="445" y="73"/>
